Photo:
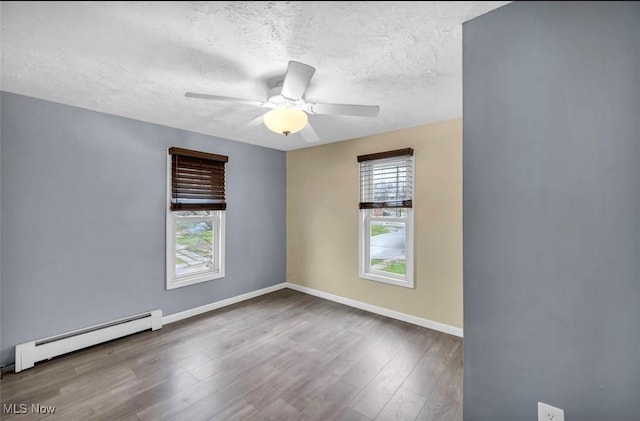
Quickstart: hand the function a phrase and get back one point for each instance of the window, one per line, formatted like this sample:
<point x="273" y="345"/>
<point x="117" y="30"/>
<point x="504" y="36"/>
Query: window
<point x="386" y="217"/>
<point x="195" y="217"/>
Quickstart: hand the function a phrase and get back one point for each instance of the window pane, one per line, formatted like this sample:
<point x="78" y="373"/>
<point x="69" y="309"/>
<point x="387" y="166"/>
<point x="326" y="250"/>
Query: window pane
<point x="387" y="245"/>
<point x="194" y="242"/>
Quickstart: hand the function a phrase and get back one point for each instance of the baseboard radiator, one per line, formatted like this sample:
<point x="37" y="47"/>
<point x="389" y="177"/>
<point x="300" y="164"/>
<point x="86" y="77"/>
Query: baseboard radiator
<point x="29" y="353"/>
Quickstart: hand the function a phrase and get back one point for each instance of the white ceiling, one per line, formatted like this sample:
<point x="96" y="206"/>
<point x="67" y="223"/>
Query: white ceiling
<point x="137" y="59"/>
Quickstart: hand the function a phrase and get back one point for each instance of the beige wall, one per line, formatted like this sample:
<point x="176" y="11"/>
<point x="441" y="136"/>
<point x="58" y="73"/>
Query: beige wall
<point x="322" y="221"/>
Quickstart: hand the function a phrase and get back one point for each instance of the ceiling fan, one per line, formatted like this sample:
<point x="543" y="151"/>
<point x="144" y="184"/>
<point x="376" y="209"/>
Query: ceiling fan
<point x="289" y="107"/>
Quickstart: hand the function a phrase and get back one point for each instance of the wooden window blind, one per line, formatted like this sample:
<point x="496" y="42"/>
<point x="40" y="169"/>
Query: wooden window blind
<point x="197" y="180"/>
<point x="386" y="179"/>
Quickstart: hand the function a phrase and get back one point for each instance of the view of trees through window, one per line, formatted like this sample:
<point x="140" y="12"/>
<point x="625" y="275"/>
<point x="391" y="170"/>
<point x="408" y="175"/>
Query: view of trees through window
<point x="194" y="242"/>
<point x="388" y="191"/>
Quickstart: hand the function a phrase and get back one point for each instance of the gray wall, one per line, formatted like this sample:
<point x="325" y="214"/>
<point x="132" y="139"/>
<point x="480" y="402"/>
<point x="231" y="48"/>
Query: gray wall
<point x="552" y="211"/>
<point x="83" y="219"/>
<point x="1" y="314"/>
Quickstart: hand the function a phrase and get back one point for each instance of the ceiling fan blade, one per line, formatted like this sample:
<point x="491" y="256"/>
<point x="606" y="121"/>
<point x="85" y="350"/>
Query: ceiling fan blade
<point x="345" y="109"/>
<point x="225" y="99"/>
<point x="296" y="80"/>
<point x="309" y="134"/>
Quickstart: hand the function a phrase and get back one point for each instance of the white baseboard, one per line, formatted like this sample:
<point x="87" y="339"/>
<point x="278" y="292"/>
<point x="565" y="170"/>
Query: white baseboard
<point x="219" y="304"/>
<point x="429" y="324"/>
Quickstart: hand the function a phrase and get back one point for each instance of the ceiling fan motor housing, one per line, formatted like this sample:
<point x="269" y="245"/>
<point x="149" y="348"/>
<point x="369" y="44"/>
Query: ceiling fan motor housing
<point x="275" y="98"/>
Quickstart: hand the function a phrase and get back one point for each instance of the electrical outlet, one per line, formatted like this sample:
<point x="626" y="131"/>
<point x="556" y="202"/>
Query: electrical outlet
<point x="549" y="413"/>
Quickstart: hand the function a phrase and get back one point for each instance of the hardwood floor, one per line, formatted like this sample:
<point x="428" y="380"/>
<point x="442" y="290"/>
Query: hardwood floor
<point x="282" y="356"/>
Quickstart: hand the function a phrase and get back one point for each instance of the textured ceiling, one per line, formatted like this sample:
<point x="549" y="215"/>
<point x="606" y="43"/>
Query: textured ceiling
<point x="137" y="59"/>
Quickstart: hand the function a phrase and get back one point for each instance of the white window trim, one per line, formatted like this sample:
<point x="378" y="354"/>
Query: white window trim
<point x="407" y="280"/>
<point x="172" y="281"/>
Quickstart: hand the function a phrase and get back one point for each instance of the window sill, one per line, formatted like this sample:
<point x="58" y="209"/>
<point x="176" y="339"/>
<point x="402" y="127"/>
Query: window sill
<point x="192" y="280"/>
<point x="406" y="283"/>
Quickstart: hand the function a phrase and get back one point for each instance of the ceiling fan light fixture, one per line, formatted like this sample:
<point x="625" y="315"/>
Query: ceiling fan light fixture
<point x="285" y="120"/>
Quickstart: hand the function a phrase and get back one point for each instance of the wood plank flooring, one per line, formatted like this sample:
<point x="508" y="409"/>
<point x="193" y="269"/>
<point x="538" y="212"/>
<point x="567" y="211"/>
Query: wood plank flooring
<point x="281" y="356"/>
